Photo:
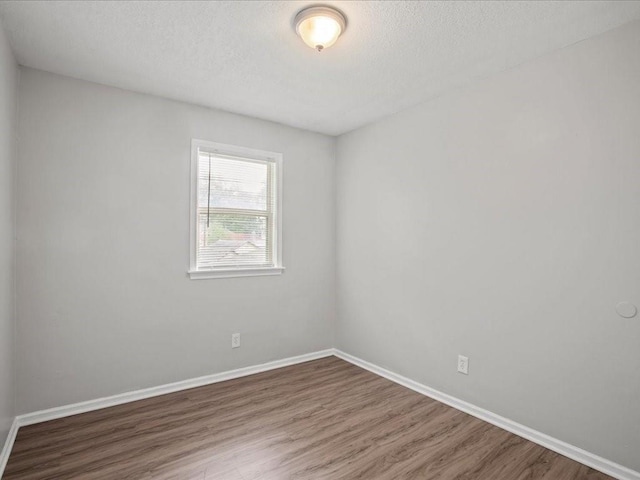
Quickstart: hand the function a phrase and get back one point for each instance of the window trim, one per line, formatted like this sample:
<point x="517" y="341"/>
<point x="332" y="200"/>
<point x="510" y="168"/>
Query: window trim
<point x="243" y="153"/>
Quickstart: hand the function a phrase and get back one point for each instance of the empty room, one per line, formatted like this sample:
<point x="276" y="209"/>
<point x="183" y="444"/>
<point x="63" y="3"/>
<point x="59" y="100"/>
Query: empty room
<point x="291" y="240"/>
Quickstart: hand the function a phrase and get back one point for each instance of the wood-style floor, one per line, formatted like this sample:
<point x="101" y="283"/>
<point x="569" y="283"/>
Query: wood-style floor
<point x="325" y="419"/>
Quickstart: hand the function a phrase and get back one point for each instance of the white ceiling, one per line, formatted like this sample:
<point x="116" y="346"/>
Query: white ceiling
<point x="244" y="57"/>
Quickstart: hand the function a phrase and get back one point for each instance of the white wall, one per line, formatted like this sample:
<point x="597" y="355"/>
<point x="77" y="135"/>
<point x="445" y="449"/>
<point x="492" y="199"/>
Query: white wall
<point x="8" y="98"/>
<point x="502" y="222"/>
<point x="104" y="301"/>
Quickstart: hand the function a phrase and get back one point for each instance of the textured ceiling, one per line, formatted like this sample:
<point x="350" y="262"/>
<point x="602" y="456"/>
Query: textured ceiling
<point x="244" y="56"/>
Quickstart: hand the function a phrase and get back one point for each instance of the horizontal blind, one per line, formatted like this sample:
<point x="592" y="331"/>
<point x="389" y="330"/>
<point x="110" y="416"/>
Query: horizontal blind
<point x="235" y="209"/>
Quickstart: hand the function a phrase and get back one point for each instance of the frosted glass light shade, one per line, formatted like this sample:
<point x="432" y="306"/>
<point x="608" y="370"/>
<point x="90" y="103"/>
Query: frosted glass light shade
<point x="320" y="27"/>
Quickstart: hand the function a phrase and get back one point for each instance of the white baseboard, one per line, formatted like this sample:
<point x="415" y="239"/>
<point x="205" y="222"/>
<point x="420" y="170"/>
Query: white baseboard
<point x="8" y="445"/>
<point x="88" y="406"/>
<point x="606" y="466"/>
<point x="594" y="461"/>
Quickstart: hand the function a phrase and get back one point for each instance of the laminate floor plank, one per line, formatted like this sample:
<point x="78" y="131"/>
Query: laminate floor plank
<point x="325" y="419"/>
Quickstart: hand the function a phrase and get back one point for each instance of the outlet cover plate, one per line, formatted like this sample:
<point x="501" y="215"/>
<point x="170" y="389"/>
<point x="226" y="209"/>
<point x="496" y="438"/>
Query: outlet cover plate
<point x="463" y="364"/>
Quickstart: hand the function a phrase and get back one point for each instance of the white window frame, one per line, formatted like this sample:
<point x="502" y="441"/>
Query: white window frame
<point x="250" y="154"/>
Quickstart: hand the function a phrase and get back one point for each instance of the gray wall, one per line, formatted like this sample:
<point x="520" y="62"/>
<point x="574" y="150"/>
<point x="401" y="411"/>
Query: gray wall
<point x="8" y="98"/>
<point x="502" y="222"/>
<point x="104" y="301"/>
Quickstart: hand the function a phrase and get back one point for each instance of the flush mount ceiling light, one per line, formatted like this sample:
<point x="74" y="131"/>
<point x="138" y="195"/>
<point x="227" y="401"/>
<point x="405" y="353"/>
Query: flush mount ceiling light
<point x="319" y="27"/>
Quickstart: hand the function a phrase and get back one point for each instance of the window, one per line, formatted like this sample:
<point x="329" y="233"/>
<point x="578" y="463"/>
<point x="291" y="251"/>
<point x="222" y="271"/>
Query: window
<point x="235" y="211"/>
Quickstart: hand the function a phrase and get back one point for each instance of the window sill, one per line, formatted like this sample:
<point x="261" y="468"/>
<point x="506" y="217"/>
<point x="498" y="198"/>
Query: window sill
<point x="235" y="272"/>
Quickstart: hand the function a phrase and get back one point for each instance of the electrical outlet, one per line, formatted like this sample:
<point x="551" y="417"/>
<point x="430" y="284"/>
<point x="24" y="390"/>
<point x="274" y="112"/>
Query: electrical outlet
<point x="463" y="364"/>
<point x="235" y="340"/>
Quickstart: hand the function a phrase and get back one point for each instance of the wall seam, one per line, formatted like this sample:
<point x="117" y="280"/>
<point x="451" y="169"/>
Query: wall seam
<point x="335" y="243"/>
<point x="15" y="238"/>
